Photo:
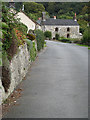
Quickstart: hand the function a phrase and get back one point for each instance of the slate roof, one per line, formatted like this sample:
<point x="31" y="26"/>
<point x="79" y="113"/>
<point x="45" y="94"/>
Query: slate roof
<point x="61" y="22"/>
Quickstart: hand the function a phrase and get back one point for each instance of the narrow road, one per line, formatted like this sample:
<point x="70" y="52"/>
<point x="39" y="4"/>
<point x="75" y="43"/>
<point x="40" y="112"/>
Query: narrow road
<point x="56" y="85"/>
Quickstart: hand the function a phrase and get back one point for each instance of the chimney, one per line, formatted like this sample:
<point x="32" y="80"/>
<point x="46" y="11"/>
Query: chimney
<point x="23" y="8"/>
<point x="54" y="17"/>
<point x="43" y="16"/>
<point x="75" y="17"/>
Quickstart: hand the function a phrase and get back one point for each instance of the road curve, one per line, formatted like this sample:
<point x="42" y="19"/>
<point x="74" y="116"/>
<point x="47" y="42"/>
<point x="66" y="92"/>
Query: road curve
<point x="56" y="85"/>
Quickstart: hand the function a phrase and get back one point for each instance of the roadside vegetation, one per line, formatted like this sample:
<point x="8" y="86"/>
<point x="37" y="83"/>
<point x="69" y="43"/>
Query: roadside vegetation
<point x="40" y="39"/>
<point x="13" y="34"/>
<point x="84" y="41"/>
<point x="48" y="35"/>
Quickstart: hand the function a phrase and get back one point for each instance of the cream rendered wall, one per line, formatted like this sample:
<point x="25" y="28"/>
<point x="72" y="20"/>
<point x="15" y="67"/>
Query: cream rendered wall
<point x="25" y="20"/>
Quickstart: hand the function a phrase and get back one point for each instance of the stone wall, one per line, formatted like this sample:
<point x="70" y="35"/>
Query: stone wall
<point x="18" y="68"/>
<point x="62" y="31"/>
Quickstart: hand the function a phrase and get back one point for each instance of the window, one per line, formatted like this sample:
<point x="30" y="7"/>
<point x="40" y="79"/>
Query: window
<point x="68" y="29"/>
<point x="56" y="29"/>
<point x="68" y="35"/>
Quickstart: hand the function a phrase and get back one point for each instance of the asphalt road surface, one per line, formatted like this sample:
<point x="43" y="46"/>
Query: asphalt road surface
<point x="56" y="85"/>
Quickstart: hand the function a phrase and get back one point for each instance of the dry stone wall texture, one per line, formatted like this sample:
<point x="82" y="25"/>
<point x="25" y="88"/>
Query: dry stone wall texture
<point x="18" y="68"/>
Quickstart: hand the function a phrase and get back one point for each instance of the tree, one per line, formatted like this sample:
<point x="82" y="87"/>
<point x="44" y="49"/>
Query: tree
<point x="33" y="9"/>
<point x="84" y="10"/>
<point x="62" y="8"/>
<point x="86" y="37"/>
<point x="18" y="5"/>
<point x="51" y="8"/>
<point x="48" y="34"/>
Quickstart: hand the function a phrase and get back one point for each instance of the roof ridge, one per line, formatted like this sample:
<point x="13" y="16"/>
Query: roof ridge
<point x="52" y="21"/>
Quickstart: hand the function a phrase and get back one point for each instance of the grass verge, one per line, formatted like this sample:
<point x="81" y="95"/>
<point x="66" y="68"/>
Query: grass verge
<point x="82" y="45"/>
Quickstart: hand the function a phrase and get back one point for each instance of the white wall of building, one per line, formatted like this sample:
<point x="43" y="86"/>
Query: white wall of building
<point x="25" y="20"/>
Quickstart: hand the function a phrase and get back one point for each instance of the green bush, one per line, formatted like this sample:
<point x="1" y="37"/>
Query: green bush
<point x="3" y="33"/>
<point x="86" y="37"/>
<point x="3" y="25"/>
<point x="33" y="52"/>
<point x="10" y="44"/>
<point x="0" y="53"/>
<point x="29" y="44"/>
<point x="67" y="40"/>
<point x="23" y="28"/>
<point x="82" y="30"/>
<point x="45" y="44"/>
<point x="3" y="30"/>
<point x="70" y="40"/>
<point x="40" y="39"/>
<point x="48" y="34"/>
<point x="31" y="36"/>
<point x="57" y="36"/>
<point x="31" y="49"/>
<point x="75" y="40"/>
<point x="9" y="38"/>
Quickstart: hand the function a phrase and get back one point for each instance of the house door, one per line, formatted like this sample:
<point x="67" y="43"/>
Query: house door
<point x="68" y="35"/>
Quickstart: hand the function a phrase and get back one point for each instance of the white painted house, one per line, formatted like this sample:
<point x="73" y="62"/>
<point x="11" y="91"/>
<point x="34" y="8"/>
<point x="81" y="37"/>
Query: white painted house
<point x="31" y="24"/>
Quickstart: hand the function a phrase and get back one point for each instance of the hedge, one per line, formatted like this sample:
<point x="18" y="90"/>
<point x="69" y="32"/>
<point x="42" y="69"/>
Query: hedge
<point x="31" y="49"/>
<point x="86" y="37"/>
<point x="40" y="39"/>
<point x="48" y="34"/>
<point x="57" y="36"/>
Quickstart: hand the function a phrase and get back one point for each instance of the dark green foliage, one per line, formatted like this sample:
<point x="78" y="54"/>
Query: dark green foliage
<point x="57" y="36"/>
<point x="40" y="39"/>
<point x="67" y="40"/>
<point x="33" y="52"/>
<point x="23" y="28"/>
<point x="18" y="5"/>
<point x="34" y="10"/>
<point x="81" y="30"/>
<point x="29" y="44"/>
<point x="9" y="37"/>
<point x="10" y="44"/>
<point x="48" y="34"/>
<point x="86" y="37"/>
<point x="70" y="40"/>
<point x="0" y="53"/>
<point x="4" y="25"/>
<point x="7" y="27"/>
<point x="63" y="8"/>
<point x="31" y="49"/>
<point x="83" y="25"/>
<point x="9" y="18"/>
<point x="31" y="36"/>
<point x="67" y="11"/>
